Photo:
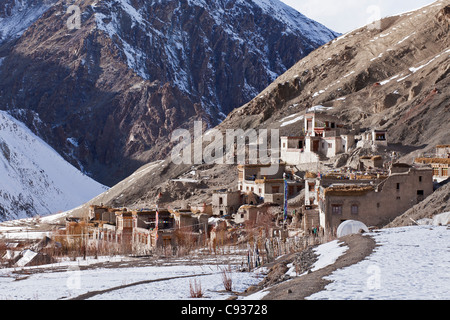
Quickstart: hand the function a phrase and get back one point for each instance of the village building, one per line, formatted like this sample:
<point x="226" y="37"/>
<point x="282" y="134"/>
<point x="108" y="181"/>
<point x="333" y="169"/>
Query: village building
<point x="324" y="137"/>
<point x="137" y="232"/>
<point x="269" y="186"/>
<point x="443" y="151"/>
<point x="374" y="200"/>
<point x="102" y="214"/>
<point x="226" y="202"/>
<point x="373" y="138"/>
<point x="189" y="221"/>
<point x="201" y="208"/>
<point x="264" y="213"/>
<point x="371" y="162"/>
<point x="151" y="228"/>
<point x="439" y="162"/>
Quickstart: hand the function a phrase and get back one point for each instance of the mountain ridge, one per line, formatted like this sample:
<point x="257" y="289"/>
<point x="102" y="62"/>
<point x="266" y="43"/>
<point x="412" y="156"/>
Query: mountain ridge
<point x="36" y="180"/>
<point x="395" y="78"/>
<point x="135" y="71"/>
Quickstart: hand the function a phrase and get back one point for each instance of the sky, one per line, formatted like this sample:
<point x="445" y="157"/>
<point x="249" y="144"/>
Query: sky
<point x="347" y="15"/>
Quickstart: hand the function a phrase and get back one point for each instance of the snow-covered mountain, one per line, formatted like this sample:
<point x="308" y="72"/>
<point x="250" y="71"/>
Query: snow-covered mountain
<point x="134" y="70"/>
<point x="34" y="178"/>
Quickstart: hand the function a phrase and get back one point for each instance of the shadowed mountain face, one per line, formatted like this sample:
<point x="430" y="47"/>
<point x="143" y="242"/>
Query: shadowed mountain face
<point x="106" y="82"/>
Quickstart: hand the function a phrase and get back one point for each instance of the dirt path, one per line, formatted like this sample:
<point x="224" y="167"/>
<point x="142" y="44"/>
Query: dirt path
<point x="298" y="289"/>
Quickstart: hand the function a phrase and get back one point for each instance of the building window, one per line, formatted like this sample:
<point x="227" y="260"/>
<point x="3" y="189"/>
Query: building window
<point x="398" y="186"/>
<point x="336" y="209"/>
<point x="435" y="171"/>
<point x="220" y="200"/>
<point x="420" y="178"/>
<point x="275" y="189"/>
<point x="355" y="209"/>
<point x="445" y="172"/>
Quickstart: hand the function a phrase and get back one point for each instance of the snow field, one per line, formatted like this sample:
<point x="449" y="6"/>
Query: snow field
<point x="410" y="263"/>
<point x="69" y="279"/>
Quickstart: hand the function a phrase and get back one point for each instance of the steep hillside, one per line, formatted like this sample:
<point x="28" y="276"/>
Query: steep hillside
<point x="437" y="203"/>
<point x="35" y="180"/>
<point x="395" y="77"/>
<point x="133" y="71"/>
<point x="17" y="15"/>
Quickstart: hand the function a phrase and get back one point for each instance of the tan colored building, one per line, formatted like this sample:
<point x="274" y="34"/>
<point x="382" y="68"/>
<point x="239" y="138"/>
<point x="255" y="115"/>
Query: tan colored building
<point x="443" y="151"/>
<point x="439" y="161"/>
<point x="324" y="136"/>
<point x="102" y="213"/>
<point x="374" y="202"/>
<point x="150" y="230"/>
<point x="226" y="202"/>
<point x="269" y="187"/>
<point x="371" y="162"/>
<point x="263" y="214"/>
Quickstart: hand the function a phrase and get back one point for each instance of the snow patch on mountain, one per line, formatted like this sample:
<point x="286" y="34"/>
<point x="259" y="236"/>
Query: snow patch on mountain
<point x="17" y="16"/>
<point x="35" y="179"/>
<point x="174" y="43"/>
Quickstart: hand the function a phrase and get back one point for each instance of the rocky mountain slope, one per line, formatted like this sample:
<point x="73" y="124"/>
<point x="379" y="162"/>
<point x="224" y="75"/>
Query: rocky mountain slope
<point x="132" y="71"/>
<point x="35" y="179"/>
<point x="393" y="77"/>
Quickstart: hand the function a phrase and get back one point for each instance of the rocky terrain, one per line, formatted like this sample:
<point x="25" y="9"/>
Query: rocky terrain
<point x="131" y="72"/>
<point x="395" y="78"/>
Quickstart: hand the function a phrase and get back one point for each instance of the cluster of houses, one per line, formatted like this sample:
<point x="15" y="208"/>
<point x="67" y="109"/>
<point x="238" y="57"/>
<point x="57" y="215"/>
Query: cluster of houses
<point x="439" y="161"/>
<point x="375" y="195"/>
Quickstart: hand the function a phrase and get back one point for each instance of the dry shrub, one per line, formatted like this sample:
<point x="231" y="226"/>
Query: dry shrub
<point x="195" y="289"/>
<point x="226" y="279"/>
<point x="186" y="240"/>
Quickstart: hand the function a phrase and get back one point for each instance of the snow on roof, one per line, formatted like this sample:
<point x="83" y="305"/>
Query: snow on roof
<point x="27" y="256"/>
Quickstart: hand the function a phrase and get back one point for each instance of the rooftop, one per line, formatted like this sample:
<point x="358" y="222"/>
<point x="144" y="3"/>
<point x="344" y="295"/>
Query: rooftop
<point x="433" y="160"/>
<point x="348" y="190"/>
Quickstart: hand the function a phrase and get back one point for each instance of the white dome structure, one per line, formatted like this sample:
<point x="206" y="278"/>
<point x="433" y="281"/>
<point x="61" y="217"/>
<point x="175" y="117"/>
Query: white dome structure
<point x="351" y="227"/>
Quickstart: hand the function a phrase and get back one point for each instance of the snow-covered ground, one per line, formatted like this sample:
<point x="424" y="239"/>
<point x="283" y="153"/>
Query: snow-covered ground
<point x="410" y="263"/>
<point x="68" y="279"/>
